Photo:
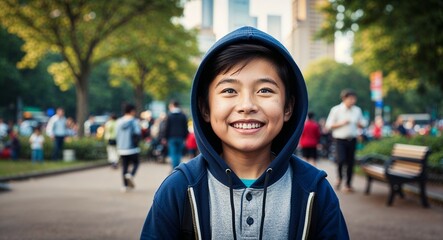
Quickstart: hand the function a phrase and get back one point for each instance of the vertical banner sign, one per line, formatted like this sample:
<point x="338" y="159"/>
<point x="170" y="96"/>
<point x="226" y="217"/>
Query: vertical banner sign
<point x="376" y="91"/>
<point x="376" y="86"/>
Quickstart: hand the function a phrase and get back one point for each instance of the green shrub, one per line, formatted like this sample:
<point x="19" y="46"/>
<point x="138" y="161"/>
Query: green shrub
<point x="384" y="146"/>
<point x="85" y="148"/>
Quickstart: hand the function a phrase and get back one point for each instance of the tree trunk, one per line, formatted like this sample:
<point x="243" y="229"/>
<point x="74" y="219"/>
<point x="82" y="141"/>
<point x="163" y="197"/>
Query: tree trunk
<point x="139" y="95"/>
<point x="82" y="91"/>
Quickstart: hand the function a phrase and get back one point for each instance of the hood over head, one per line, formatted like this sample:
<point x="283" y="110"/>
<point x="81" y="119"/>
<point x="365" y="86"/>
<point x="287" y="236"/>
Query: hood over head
<point x="286" y="141"/>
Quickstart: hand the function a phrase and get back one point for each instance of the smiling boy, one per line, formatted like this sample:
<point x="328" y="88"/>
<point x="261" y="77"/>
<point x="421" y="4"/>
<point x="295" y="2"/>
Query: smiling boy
<point x="249" y="103"/>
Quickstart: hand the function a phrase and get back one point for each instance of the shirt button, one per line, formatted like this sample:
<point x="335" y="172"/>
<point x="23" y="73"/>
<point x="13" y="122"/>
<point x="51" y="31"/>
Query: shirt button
<point x="250" y="221"/>
<point x="248" y="196"/>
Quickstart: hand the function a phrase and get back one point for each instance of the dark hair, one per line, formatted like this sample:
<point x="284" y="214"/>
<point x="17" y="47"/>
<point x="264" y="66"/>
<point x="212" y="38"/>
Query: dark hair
<point x="174" y="102"/>
<point x="311" y="115"/>
<point x="129" y="108"/>
<point x="243" y="54"/>
<point x="347" y="93"/>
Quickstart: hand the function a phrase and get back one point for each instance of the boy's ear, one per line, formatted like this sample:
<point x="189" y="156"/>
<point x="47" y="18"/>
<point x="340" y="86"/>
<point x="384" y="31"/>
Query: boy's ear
<point x="204" y="111"/>
<point x="205" y="115"/>
<point x="289" y="109"/>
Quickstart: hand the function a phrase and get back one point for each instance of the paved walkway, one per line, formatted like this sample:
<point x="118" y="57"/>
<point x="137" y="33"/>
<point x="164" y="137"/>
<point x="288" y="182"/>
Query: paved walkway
<point x="89" y="205"/>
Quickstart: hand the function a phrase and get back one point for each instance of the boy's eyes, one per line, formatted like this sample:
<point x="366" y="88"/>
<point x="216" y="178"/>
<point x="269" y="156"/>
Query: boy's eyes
<point x="261" y="90"/>
<point x="228" y="90"/>
<point x="265" y="90"/>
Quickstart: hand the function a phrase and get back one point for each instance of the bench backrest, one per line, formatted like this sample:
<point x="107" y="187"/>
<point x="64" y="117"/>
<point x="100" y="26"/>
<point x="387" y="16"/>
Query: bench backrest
<point x="409" y="159"/>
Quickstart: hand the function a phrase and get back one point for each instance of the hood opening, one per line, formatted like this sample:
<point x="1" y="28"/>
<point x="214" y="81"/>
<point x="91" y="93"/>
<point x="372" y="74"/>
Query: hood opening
<point x="287" y="140"/>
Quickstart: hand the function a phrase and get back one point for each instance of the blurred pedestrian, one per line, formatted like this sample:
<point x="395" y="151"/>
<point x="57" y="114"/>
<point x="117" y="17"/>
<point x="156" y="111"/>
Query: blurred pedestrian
<point x="14" y="143"/>
<point x="377" y="128"/>
<point x="146" y="122"/>
<point x="344" y="120"/>
<point x="309" y="139"/>
<point x="176" y="132"/>
<point x="36" y="142"/>
<point x="57" y="131"/>
<point x="325" y="140"/>
<point x="399" y="128"/>
<point x="110" y="136"/>
<point x="3" y="129"/>
<point x="191" y="143"/>
<point x="128" y="135"/>
<point x="158" y="149"/>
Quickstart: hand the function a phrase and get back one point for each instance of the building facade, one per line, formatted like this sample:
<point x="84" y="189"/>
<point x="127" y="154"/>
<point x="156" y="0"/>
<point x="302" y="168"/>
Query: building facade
<point x="306" y="21"/>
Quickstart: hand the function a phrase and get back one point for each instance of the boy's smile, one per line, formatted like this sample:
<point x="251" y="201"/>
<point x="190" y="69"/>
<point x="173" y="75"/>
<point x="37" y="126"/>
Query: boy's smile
<point x="247" y="107"/>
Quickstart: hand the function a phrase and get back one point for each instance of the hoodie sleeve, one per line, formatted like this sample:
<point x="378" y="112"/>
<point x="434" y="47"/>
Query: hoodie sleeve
<point x="164" y="217"/>
<point x="330" y="221"/>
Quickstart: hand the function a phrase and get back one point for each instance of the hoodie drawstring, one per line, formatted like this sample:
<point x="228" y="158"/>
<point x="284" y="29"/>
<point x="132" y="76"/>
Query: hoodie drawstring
<point x="231" y="195"/>
<point x="268" y="172"/>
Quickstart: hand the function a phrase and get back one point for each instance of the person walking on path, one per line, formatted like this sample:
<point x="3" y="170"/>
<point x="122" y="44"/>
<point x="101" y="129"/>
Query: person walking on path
<point x="309" y="139"/>
<point x="175" y="132"/>
<point x="249" y="105"/>
<point x="111" y="142"/>
<point x="127" y="135"/>
<point x="344" y="120"/>
<point x="36" y="141"/>
<point x="57" y="131"/>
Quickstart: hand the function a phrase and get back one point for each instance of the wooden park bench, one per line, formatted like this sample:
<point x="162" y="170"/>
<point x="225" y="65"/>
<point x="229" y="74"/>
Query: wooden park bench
<point x="407" y="163"/>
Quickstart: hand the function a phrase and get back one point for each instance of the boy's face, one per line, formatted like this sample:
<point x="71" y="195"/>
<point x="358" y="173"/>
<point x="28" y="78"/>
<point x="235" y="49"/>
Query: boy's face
<point x="247" y="107"/>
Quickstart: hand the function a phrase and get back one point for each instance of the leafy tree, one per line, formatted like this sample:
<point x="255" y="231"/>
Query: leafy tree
<point x="81" y="32"/>
<point x="404" y="39"/>
<point x="10" y="54"/>
<point x="325" y="79"/>
<point x="164" y="66"/>
<point x="105" y="97"/>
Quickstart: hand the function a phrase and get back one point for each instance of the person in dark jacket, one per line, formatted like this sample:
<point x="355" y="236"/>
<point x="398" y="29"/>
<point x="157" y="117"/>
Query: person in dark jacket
<point x="176" y="130"/>
<point x="248" y="104"/>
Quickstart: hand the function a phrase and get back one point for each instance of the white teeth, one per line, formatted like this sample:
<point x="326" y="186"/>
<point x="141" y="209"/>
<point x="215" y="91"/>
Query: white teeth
<point x="247" y="125"/>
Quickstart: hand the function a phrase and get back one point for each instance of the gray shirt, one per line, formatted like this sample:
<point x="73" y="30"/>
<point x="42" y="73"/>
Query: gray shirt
<point x="248" y="208"/>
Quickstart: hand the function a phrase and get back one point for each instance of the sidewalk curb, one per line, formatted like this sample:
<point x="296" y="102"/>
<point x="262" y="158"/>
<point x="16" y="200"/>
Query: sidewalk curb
<point x="22" y="177"/>
<point x="433" y="197"/>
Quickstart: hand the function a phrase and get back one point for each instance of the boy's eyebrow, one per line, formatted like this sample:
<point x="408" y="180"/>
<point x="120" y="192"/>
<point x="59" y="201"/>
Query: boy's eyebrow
<point x="226" y="80"/>
<point x="261" y="80"/>
<point x="268" y="80"/>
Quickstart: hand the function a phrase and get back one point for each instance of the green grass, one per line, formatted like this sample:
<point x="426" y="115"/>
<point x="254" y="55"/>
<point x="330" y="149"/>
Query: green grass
<point x="13" y="168"/>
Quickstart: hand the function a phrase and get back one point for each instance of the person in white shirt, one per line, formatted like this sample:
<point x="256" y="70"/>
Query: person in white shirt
<point x="344" y="120"/>
<point x="57" y="130"/>
<point x="36" y="141"/>
<point x="3" y="128"/>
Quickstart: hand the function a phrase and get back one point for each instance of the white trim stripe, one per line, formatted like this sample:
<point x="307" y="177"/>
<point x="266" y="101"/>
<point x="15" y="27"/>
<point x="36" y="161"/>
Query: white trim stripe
<point x="308" y="215"/>
<point x="194" y="209"/>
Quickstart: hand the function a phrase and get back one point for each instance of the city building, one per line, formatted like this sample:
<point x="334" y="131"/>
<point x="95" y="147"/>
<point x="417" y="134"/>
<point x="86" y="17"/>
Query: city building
<point x="293" y="22"/>
<point x="306" y="21"/>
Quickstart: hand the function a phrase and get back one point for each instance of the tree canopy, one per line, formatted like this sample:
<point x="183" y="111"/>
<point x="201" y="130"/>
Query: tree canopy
<point x="163" y="67"/>
<point x="404" y="39"/>
<point x="82" y="32"/>
<point x="325" y="79"/>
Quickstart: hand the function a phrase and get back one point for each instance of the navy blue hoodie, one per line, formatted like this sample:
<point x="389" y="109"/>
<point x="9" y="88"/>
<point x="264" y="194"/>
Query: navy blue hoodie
<point x="314" y="208"/>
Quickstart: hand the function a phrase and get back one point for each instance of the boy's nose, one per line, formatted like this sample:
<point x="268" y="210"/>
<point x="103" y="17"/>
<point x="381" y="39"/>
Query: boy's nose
<point x="247" y="104"/>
